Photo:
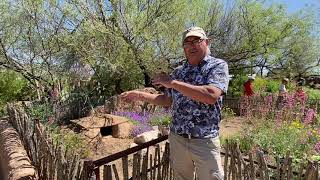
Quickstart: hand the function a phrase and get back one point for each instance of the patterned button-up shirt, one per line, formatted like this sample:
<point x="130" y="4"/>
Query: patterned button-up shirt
<point x="192" y="117"/>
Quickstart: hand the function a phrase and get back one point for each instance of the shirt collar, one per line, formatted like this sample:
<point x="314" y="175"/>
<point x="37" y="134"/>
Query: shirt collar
<point x="203" y="62"/>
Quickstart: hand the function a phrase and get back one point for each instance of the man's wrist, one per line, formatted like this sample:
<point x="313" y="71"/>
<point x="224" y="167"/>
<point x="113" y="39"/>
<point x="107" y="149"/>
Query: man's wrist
<point x="140" y="96"/>
<point x="172" y="84"/>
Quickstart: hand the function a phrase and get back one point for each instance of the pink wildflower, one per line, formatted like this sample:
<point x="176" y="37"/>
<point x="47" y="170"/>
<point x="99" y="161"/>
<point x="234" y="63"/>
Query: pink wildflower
<point x="317" y="147"/>
<point x="269" y="99"/>
<point x="278" y="119"/>
<point x="310" y="115"/>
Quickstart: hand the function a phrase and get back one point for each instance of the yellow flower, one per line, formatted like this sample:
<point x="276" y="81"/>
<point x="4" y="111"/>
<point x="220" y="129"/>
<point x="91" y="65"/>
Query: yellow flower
<point x="296" y="124"/>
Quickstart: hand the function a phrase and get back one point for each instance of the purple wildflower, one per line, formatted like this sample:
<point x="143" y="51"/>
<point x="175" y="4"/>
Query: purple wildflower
<point x="141" y="118"/>
<point x="138" y="129"/>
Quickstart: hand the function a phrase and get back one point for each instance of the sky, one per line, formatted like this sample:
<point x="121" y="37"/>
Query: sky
<point x="296" y="5"/>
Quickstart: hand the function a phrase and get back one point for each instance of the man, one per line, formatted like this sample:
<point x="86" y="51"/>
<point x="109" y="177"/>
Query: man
<point x="248" y="86"/>
<point x="194" y="91"/>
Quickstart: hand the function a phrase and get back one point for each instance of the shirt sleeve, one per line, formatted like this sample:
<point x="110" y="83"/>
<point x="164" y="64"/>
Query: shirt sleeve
<point x="168" y="91"/>
<point x="219" y="76"/>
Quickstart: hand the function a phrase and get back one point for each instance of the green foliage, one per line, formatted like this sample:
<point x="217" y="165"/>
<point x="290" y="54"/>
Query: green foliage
<point x="264" y="85"/>
<point x="245" y="144"/>
<point x="41" y="111"/>
<point x="259" y="85"/>
<point x="73" y="143"/>
<point x="236" y="85"/>
<point x="312" y="93"/>
<point x="278" y="140"/>
<point x="227" y="112"/>
<point x="160" y="120"/>
<point x="13" y="87"/>
<point x="272" y="86"/>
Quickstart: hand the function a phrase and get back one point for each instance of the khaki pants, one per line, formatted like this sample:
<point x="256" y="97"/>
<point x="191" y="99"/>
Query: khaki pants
<point x="202" y="156"/>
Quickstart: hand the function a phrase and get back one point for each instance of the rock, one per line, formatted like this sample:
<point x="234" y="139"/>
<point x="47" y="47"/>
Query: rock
<point x="133" y="145"/>
<point x="146" y="136"/>
<point x="164" y="130"/>
<point x="121" y="130"/>
<point x="155" y="128"/>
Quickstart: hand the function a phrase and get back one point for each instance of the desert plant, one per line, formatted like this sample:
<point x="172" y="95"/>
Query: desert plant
<point x="41" y="111"/>
<point x="227" y="112"/>
<point x="160" y="118"/>
<point x="73" y="143"/>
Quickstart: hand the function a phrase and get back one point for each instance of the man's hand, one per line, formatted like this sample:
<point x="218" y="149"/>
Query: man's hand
<point x="131" y="96"/>
<point x="162" y="79"/>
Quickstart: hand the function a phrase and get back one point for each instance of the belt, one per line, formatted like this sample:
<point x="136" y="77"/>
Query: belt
<point x="189" y="136"/>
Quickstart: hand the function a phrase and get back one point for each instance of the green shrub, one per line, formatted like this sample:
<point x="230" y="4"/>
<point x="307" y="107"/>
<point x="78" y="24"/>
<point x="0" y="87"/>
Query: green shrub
<point x="312" y="93"/>
<point x="160" y="119"/>
<point x="259" y="85"/>
<point x="13" y="87"/>
<point x="41" y="111"/>
<point x="236" y="85"/>
<point x="264" y="86"/>
<point x="277" y="141"/>
<point x="227" y="112"/>
<point x="272" y="86"/>
<point x="73" y="143"/>
<point x="245" y="144"/>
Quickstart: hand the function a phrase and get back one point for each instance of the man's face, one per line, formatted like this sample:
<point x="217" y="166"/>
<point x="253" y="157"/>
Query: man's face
<point x="195" y="49"/>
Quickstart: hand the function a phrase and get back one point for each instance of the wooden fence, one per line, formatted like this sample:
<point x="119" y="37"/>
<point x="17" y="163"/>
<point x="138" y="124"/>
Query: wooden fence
<point x="255" y="165"/>
<point x="51" y="161"/>
<point x="148" y="161"/>
<point x="237" y="166"/>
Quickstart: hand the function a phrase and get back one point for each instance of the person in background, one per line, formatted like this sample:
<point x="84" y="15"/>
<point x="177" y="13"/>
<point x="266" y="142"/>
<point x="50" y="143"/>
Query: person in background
<point x="282" y="88"/>
<point x="300" y="95"/>
<point x="194" y="91"/>
<point x="282" y="93"/>
<point x="248" y="86"/>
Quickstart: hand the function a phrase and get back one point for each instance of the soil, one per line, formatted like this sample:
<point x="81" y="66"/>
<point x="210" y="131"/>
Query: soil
<point x="102" y="146"/>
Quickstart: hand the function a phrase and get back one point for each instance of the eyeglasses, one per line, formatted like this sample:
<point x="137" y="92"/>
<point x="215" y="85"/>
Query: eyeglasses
<point x="191" y="43"/>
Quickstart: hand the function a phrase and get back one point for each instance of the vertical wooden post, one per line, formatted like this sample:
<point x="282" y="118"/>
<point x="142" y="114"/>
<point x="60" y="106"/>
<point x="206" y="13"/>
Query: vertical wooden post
<point x="107" y="172"/>
<point x="226" y="157"/>
<point x="97" y="173"/>
<point x="125" y="168"/>
<point x="87" y="168"/>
